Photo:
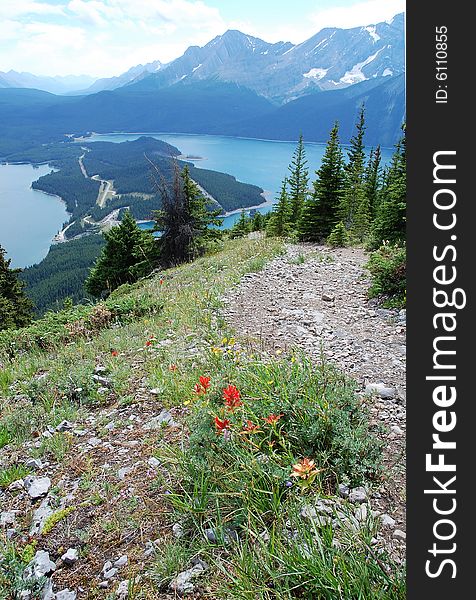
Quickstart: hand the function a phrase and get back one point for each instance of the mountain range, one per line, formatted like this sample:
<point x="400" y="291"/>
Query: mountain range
<point x="332" y="59"/>
<point x="235" y="85"/>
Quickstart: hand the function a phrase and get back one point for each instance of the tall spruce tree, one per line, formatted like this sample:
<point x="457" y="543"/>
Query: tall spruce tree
<point x="320" y="212"/>
<point x="184" y="220"/>
<point x="127" y="255"/>
<point x="373" y="180"/>
<point x="15" y="307"/>
<point x="390" y="221"/>
<point x="279" y="221"/>
<point x="354" y="174"/>
<point x="298" y="182"/>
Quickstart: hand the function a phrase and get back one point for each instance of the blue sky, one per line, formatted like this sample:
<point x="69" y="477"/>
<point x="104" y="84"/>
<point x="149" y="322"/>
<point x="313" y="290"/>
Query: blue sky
<point x="106" y="37"/>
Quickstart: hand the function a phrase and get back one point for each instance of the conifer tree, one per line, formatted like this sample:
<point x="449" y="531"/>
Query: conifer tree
<point x="279" y="221"/>
<point x="298" y="182"/>
<point x="15" y="307"/>
<point x="257" y="222"/>
<point x="127" y="255"/>
<point x="241" y="227"/>
<point x="338" y="237"/>
<point x="184" y="220"/>
<point x="354" y="174"/>
<point x="319" y="213"/>
<point x="362" y="217"/>
<point x="390" y="220"/>
<point x="373" y="180"/>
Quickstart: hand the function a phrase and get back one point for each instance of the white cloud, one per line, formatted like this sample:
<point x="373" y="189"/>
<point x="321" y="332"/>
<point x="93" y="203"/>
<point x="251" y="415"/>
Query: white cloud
<point x="361" y="13"/>
<point x="11" y="9"/>
<point x="106" y="37"/>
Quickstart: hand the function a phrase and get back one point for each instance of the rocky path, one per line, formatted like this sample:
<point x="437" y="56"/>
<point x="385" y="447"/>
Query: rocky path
<point x="315" y="299"/>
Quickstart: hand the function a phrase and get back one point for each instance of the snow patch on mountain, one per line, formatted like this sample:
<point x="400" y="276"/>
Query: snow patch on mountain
<point x="355" y="75"/>
<point x="371" y="29"/>
<point x="315" y="74"/>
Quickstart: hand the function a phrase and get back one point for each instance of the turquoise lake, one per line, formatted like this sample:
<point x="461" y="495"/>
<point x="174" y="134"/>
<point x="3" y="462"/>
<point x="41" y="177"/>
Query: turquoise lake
<point x="261" y="162"/>
<point x="29" y="219"/>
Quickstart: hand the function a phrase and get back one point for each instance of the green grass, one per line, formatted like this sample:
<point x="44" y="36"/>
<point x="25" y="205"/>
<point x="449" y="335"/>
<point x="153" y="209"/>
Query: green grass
<point x="11" y="474"/>
<point x="164" y="333"/>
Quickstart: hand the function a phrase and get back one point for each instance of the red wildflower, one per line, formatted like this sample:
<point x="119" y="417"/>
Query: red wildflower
<point x="161" y="281"/>
<point x="250" y="427"/>
<point x="148" y="343"/>
<point x="273" y="419"/>
<point x="221" y="425"/>
<point x="173" y="368"/>
<point x="114" y="353"/>
<point x="197" y="388"/>
<point x="204" y="382"/>
<point x="231" y="396"/>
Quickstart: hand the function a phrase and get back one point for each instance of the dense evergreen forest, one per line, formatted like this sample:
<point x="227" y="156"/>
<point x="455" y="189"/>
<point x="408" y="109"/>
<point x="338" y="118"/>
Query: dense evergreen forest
<point x="62" y="273"/>
<point x="71" y="185"/>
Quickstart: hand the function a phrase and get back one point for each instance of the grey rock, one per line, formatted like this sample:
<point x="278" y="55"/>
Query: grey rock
<point x="387" y="521"/>
<point x="361" y="513"/>
<point x="65" y="426"/>
<point x="103" y="584"/>
<point x="37" y="487"/>
<point x="177" y="530"/>
<point x="123" y="472"/>
<point x="358" y="495"/>
<point x="380" y="389"/>
<point x="182" y="584"/>
<point x="34" y="463"/>
<point x="8" y="517"/>
<point x="40" y="516"/>
<point x="398" y="534"/>
<point x="70" y="556"/>
<point x="40" y="566"/>
<point x="65" y="595"/>
<point x="109" y="574"/>
<point x="344" y="490"/>
<point x="122" y="590"/>
<point x="107" y="566"/>
<point x="16" y="486"/>
<point x="103" y="381"/>
<point x="396" y="429"/>
<point x="163" y="418"/>
<point x="98" y="369"/>
<point x="228" y="536"/>
<point x="121" y="561"/>
<point x="94" y="442"/>
<point x="154" y="462"/>
<point x="311" y="514"/>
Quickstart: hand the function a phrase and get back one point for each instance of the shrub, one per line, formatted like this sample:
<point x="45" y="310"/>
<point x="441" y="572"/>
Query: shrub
<point x="387" y="266"/>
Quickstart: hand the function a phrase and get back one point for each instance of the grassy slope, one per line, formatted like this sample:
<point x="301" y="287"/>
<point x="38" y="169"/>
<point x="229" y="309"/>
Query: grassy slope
<point x="203" y="480"/>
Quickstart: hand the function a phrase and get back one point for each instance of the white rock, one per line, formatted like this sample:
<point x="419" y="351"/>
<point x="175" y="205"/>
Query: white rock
<point x="380" y="389"/>
<point x="70" y="556"/>
<point x="65" y="595"/>
<point x="154" y="462"/>
<point x="8" y="517"/>
<point x="41" y="565"/>
<point x="40" y="516"/>
<point x="121" y="562"/>
<point x="34" y="463"/>
<point x="122" y="591"/>
<point x="110" y="573"/>
<point x="387" y="521"/>
<point x="358" y="495"/>
<point x="398" y="534"/>
<point x="177" y="530"/>
<point x="37" y="487"/>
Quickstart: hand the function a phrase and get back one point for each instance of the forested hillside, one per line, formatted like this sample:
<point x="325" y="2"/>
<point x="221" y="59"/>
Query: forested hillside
<point x="62" y="273"/>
